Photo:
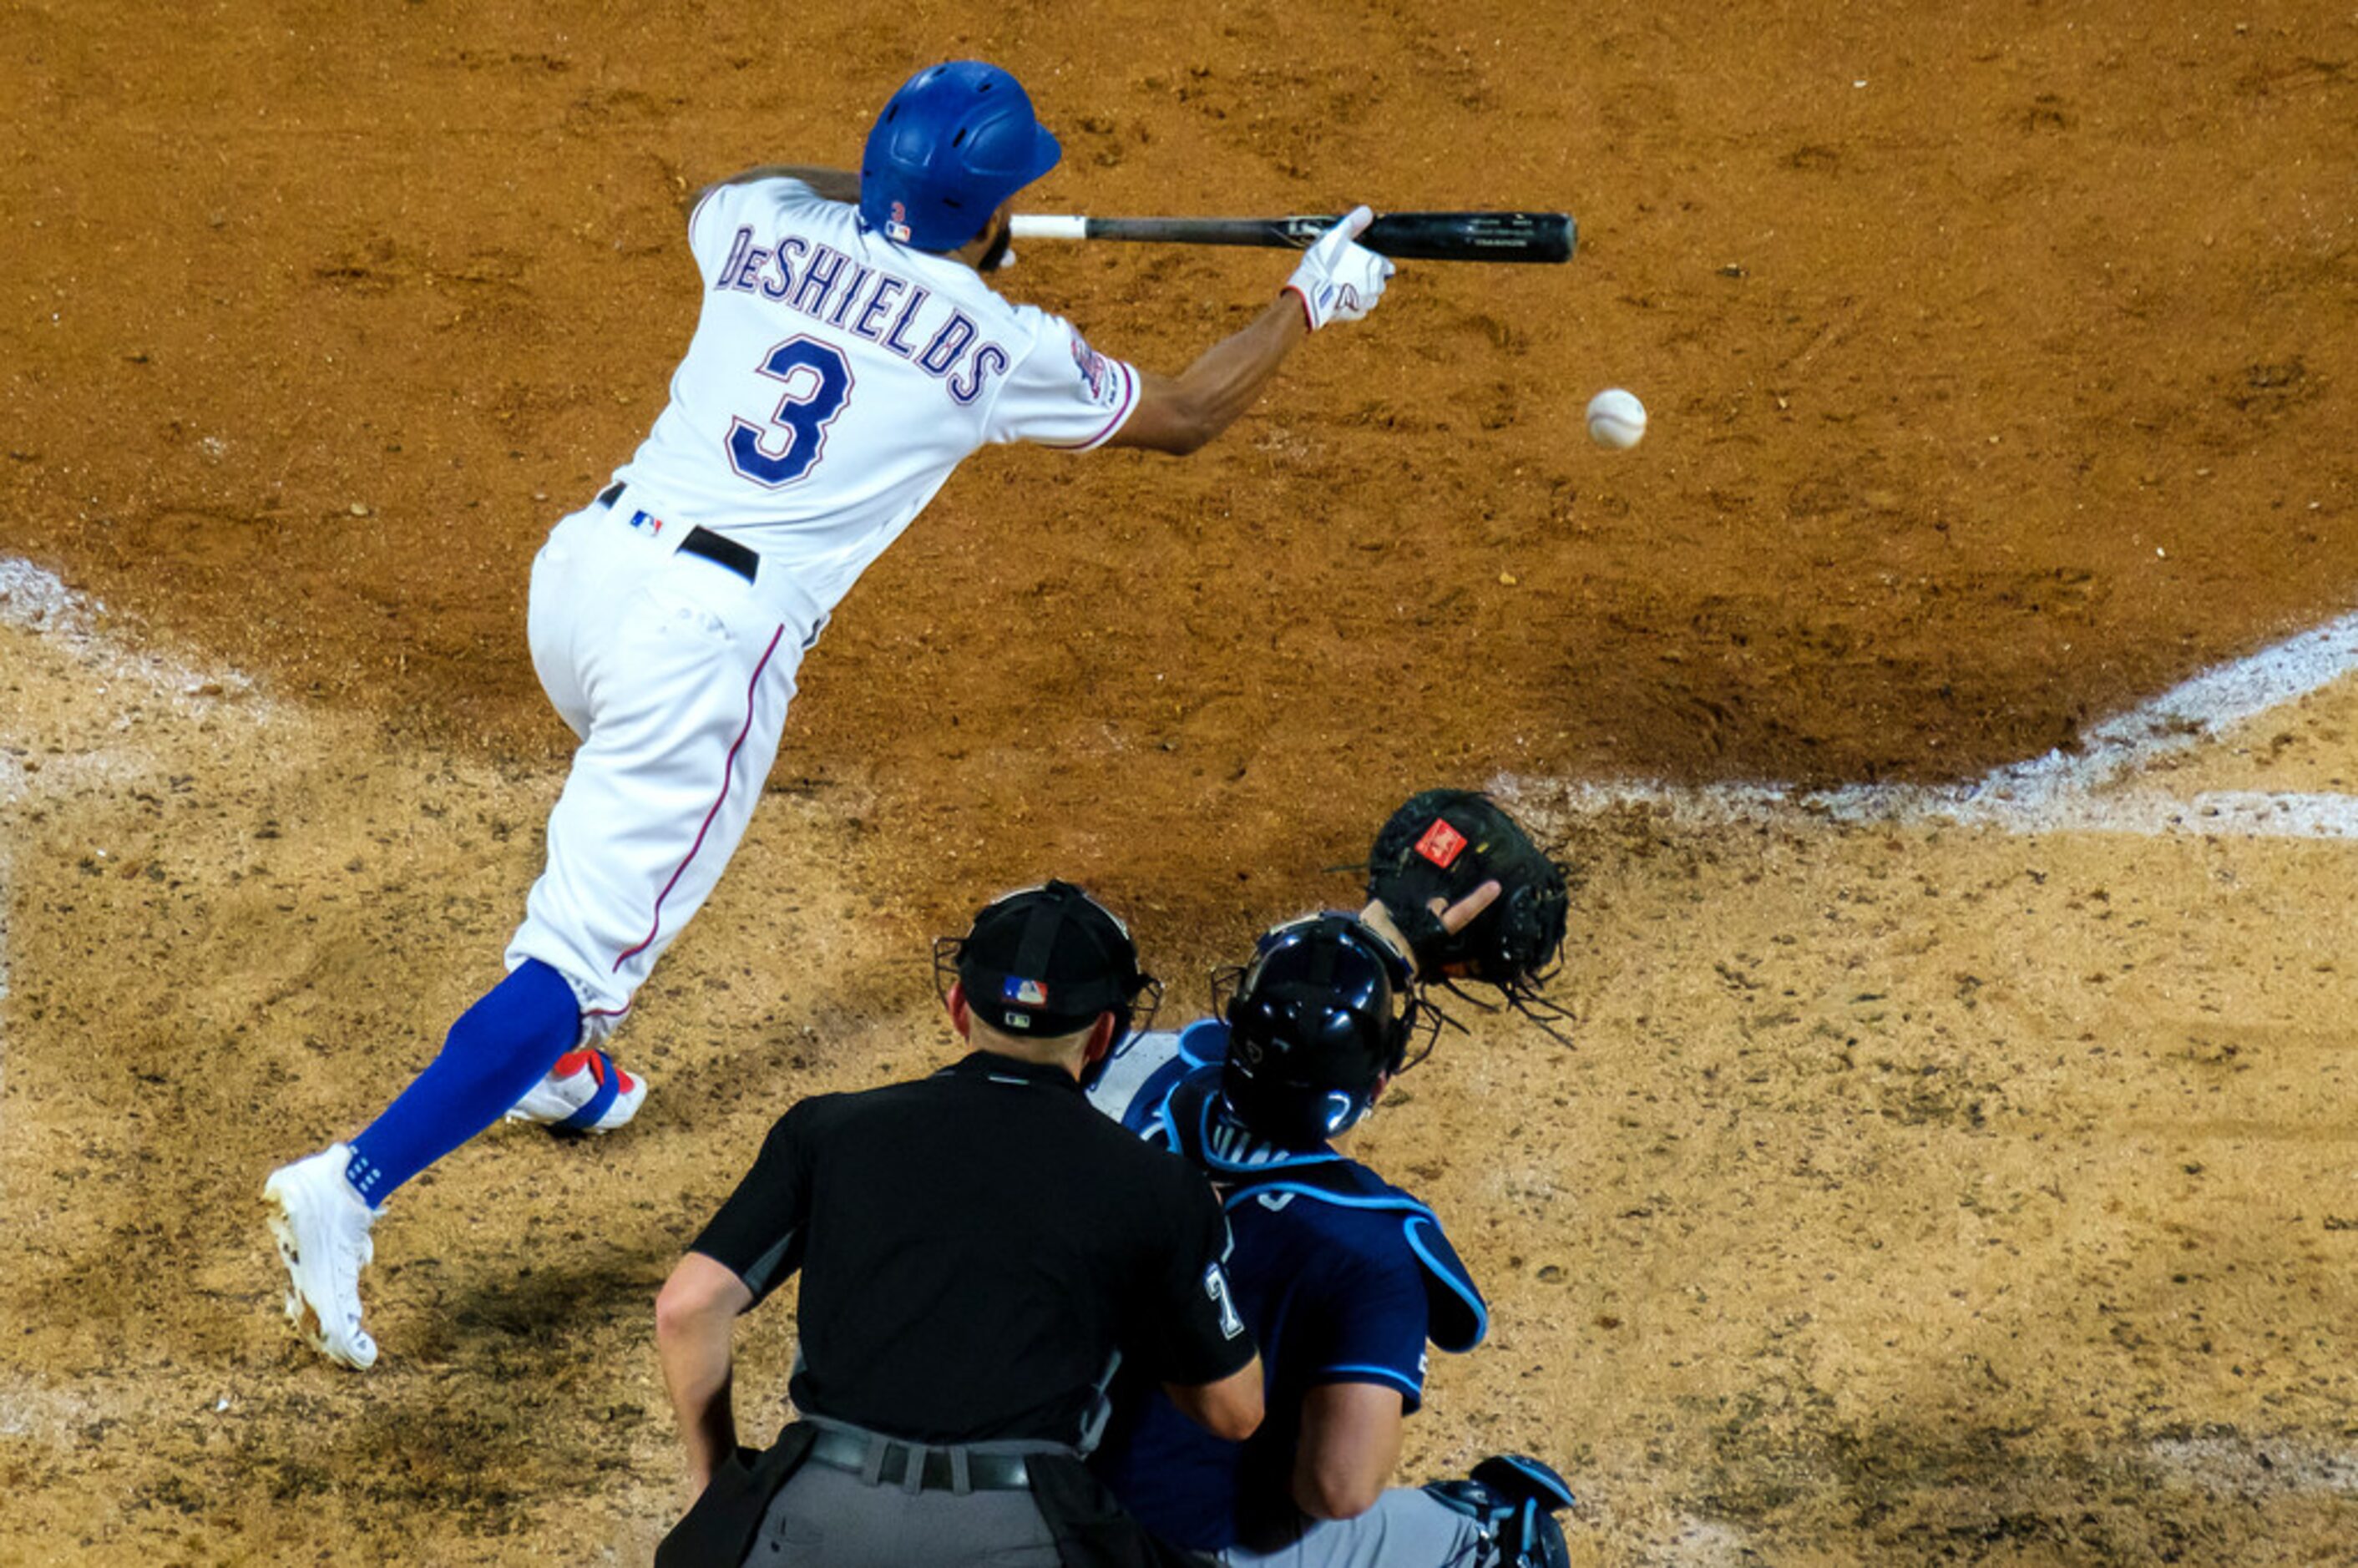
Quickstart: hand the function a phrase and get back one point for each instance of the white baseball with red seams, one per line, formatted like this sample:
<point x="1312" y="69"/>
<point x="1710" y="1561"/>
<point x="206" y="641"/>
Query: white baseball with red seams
<point x="1616" y="420"/>
<point x="833" y="383"/>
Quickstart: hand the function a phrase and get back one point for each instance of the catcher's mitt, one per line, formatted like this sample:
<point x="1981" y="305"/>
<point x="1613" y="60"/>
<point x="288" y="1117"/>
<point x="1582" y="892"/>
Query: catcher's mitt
<point x="1445" y="843"/>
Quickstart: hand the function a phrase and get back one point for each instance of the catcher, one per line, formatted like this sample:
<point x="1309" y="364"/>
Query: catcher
<point x="1342" y="1277"/>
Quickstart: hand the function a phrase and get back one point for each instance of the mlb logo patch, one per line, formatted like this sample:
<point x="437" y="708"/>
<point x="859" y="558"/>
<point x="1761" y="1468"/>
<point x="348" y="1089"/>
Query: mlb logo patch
<point x="1026" y="993"/>
<point x="1442" y="844"/>
<point x="896" y="227"/>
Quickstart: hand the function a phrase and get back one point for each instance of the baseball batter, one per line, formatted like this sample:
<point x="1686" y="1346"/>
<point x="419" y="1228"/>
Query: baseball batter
<point x="850" y="353"/>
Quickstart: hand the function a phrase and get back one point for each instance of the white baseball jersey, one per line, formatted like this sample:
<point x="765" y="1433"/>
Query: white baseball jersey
<point x="836" y="379"/>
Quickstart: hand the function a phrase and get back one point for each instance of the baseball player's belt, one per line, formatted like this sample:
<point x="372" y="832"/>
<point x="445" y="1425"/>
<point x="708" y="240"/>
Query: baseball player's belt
<point x="717" y="548"/>
<point x="886" y="1462"/>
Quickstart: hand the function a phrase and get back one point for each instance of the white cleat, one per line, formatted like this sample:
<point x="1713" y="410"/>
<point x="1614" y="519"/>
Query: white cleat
<point x="322" y="1227"/>
<point x="585" y="1092"/>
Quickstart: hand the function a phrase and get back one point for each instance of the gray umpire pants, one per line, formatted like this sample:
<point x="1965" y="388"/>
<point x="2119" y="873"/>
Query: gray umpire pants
<point x="826" y="1516"/>
<point x="1406" y="1529"/>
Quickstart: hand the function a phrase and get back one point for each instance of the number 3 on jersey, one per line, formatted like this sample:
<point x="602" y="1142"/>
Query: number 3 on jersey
<point x="817" y="379"/>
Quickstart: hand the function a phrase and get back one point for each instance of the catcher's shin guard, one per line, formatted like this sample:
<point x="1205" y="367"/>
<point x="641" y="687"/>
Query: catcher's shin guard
<point x="1514" y="1498"/>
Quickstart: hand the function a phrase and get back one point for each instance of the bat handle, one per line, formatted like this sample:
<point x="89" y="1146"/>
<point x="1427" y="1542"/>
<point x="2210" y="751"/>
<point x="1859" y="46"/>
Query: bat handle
<point x="1047" y="226"/>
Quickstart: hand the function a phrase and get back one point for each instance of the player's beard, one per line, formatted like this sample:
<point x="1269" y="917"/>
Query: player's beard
<point x="996" y="251"/>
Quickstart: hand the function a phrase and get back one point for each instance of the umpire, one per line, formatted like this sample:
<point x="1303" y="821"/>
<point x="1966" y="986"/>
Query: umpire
<point x="980" y="1251"/>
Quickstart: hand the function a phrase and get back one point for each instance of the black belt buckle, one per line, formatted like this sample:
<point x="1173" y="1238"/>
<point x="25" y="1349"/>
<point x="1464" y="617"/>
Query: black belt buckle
<point x="721" y="550"/>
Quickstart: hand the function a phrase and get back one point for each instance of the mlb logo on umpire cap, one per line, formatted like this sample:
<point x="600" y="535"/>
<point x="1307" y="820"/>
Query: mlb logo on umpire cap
<point x="1025" y="993"/>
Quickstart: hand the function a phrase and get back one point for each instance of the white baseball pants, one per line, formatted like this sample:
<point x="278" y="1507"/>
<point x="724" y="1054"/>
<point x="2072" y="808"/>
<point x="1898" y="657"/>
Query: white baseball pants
<point x="676" y="672"/>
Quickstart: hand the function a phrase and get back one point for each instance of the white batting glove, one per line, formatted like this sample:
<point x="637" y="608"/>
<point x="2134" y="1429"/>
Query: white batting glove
<point x="1340" y="280"/>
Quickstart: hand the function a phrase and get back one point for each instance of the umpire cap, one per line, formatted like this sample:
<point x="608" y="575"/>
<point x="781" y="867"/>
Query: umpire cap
<point x="1046" y="961"/>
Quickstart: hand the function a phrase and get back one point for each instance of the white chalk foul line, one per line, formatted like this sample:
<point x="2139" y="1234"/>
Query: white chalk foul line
<point x="2182" y="717"/>
<point x="2083" y="790"/>
<point x="2250" y="1467"/>
<point x="38" y="602"/>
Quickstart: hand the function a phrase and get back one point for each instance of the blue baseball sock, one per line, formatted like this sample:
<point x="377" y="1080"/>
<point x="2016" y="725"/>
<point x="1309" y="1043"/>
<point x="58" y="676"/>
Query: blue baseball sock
<point x="497" y="1050"/>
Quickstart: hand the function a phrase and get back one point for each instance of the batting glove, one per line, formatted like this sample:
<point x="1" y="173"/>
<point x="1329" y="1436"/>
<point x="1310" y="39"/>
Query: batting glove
<point x="1340" y="280"/>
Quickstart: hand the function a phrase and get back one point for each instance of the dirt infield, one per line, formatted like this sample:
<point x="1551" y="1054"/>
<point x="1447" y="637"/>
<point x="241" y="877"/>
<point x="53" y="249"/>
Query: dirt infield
<point x="1916" y="1194"/>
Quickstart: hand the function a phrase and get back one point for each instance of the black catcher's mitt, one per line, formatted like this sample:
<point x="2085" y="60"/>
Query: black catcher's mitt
<point x="1445" y="843"/>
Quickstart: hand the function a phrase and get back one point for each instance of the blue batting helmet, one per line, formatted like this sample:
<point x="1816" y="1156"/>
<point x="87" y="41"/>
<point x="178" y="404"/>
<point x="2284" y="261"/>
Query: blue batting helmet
<point x="953" y="143"/>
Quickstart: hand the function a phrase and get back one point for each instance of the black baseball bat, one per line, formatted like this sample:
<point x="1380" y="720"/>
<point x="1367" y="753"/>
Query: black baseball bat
<point x="1404" y="236"/>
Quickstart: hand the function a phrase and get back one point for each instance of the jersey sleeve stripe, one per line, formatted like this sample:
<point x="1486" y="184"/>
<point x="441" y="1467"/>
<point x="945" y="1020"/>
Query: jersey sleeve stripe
<point x="1360" y="1372"/>
<point x="1455" y="1281"/>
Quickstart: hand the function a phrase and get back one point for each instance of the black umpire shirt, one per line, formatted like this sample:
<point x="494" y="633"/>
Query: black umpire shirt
<point x="975" y="1246"/>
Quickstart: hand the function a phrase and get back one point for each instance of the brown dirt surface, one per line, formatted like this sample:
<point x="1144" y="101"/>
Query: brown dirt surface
<point x="1915" y="1195"/>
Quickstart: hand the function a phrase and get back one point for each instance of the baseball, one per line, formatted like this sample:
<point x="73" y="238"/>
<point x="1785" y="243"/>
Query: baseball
<point x="1616" y="419"/>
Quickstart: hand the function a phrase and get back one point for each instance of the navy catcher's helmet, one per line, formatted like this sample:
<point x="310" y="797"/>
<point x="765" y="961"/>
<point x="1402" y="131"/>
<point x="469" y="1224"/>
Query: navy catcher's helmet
<point x="954" y="143"/>
<point x="1318" y="1020"/>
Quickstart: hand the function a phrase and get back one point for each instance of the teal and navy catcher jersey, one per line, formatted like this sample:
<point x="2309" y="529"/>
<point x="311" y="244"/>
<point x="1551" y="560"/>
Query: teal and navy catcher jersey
<point x="1341" y="1277"/>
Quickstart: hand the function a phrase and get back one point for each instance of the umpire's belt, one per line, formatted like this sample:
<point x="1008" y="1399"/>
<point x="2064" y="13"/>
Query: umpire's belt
<point x="887" y="1461"/>
<point x="717" y="548"/>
